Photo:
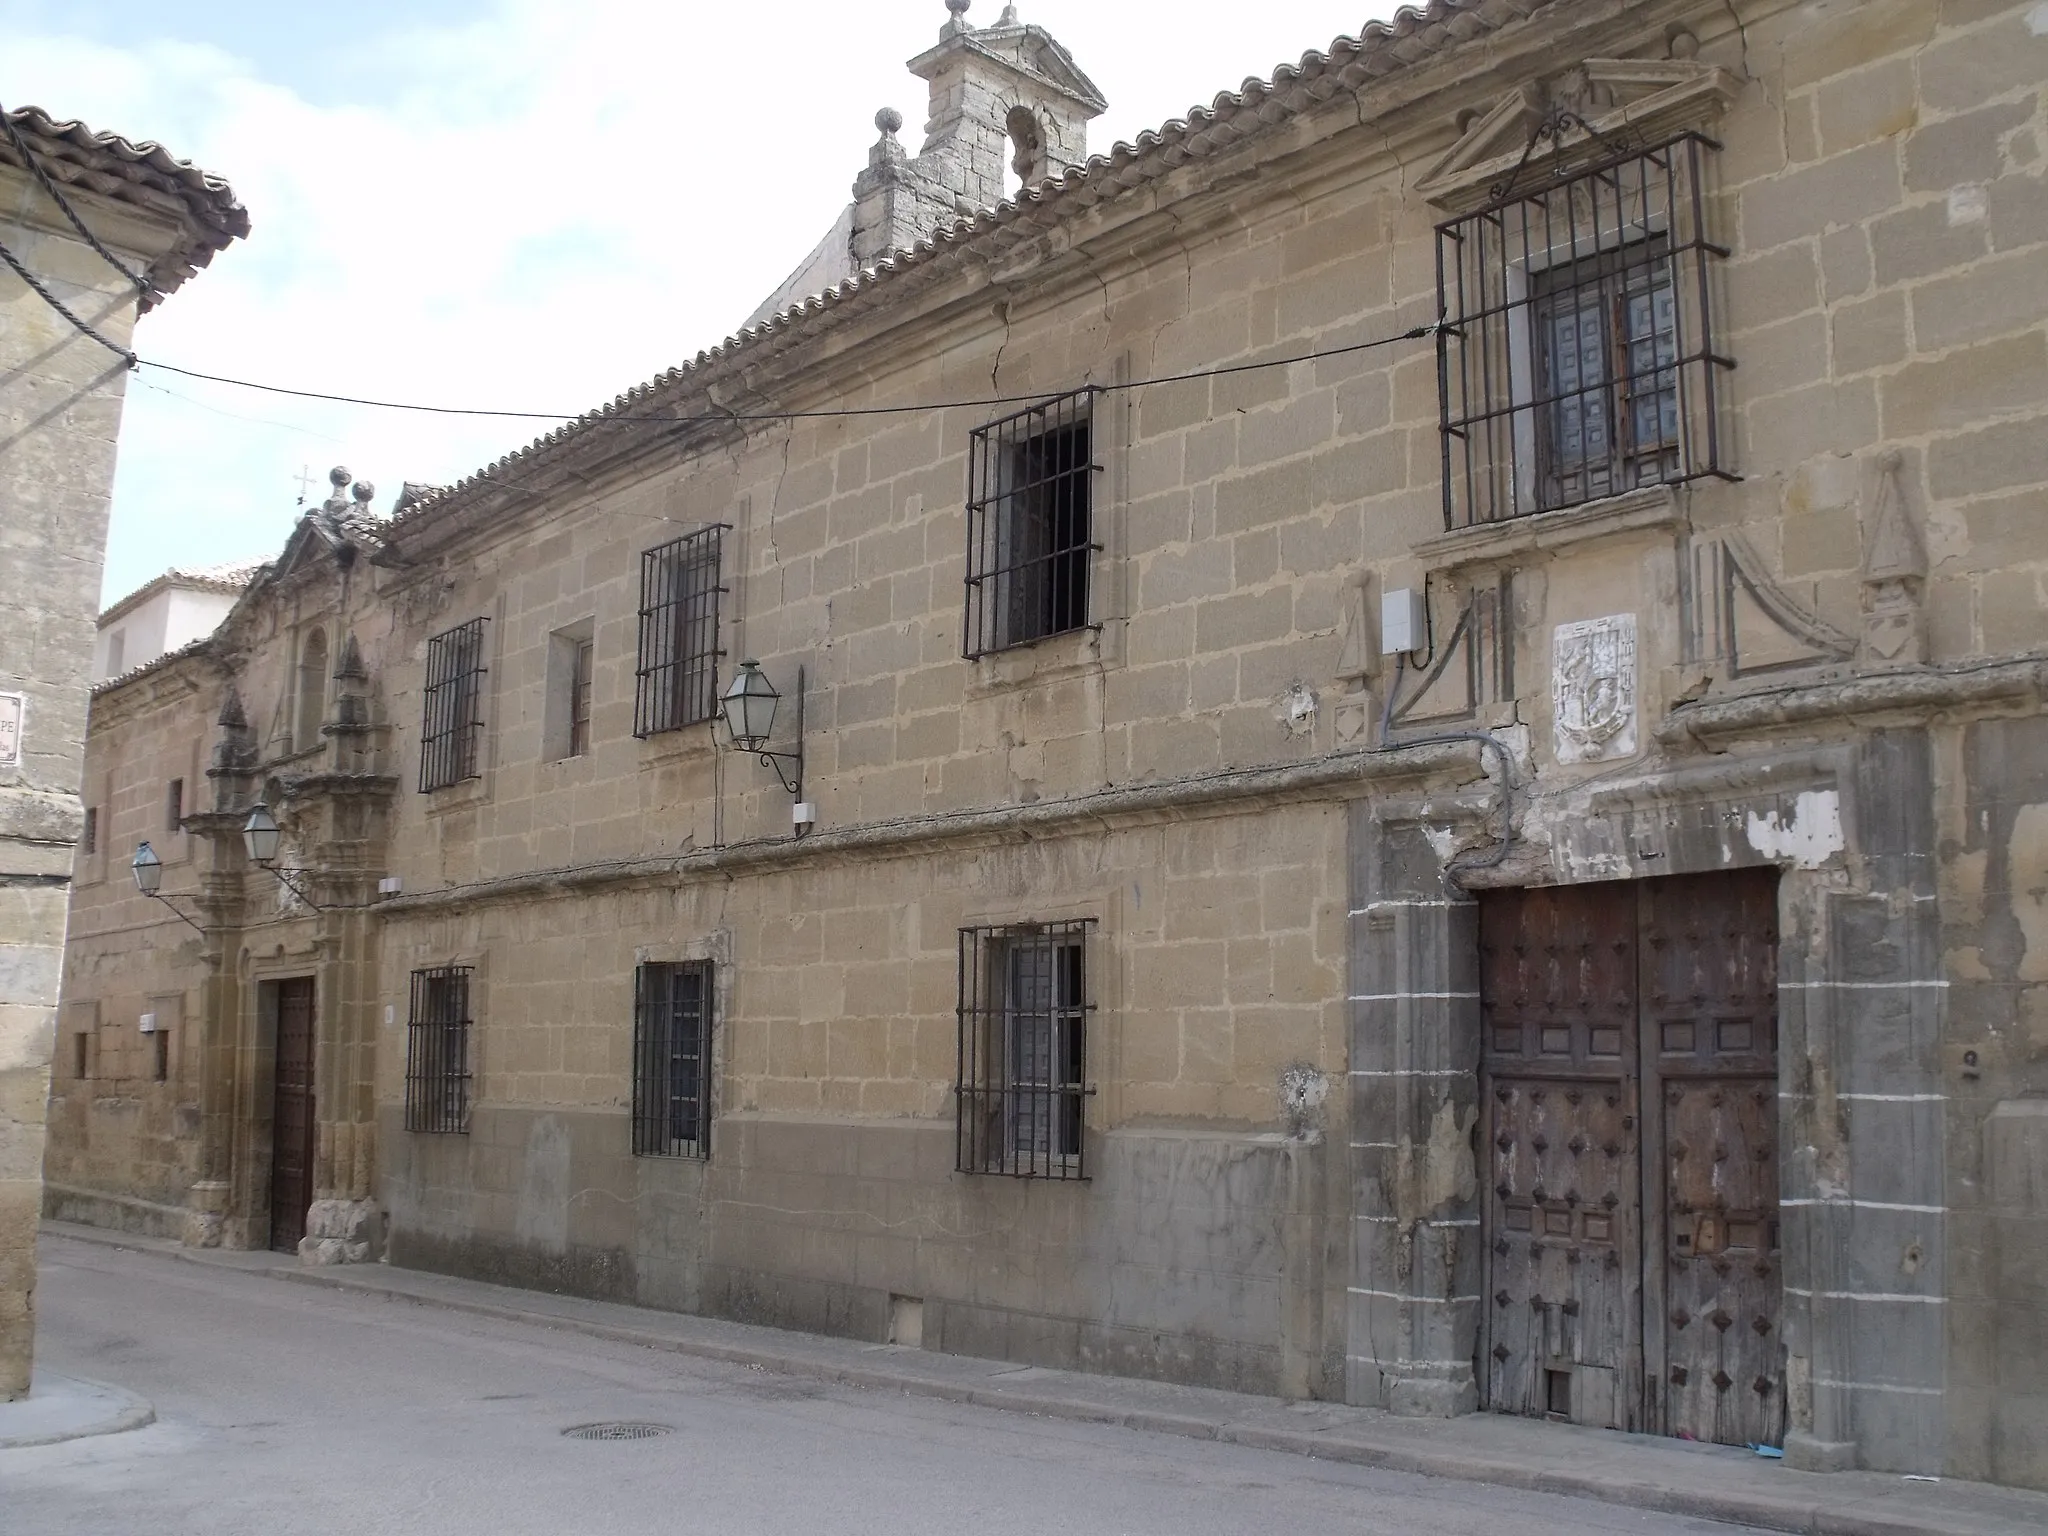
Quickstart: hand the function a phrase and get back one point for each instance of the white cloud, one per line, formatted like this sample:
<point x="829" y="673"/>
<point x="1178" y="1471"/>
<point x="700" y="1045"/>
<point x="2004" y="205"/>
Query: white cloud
<point x="532" y="211"/>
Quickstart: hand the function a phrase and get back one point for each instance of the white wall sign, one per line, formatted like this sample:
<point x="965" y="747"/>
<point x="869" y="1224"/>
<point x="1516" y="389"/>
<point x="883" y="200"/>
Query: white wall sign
<point x="13" y="706"/>
<point x="1593" y="689"/>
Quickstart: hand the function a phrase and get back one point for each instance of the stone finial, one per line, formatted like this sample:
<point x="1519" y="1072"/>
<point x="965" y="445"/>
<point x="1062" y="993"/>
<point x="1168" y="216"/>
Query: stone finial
<point x="958" y="7"/>
<point x="890" y="121"/>
<point x="232" y="716"/>
<point x="1894" y="573"/>
<point x="362" y="490"/>
<point x="957" y="22"/>
<point x="349" y="668"/>
<point x="337" y="499"/>
<point x="1009" y="17"/>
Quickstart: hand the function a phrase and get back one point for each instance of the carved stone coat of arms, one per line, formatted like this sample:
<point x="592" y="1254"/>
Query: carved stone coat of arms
<point x="1593" y="689"/>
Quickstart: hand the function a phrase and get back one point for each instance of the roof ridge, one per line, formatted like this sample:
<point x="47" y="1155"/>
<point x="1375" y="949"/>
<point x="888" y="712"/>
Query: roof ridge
<point x="1409" y="37"/>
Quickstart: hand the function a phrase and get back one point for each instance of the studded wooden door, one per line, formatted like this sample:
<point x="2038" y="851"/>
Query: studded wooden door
<point x="1563" y="1311"/>
<point x="1710" y="1016"/>
<point x="292" y="1124"/>
<point x="1631" y="1226"/>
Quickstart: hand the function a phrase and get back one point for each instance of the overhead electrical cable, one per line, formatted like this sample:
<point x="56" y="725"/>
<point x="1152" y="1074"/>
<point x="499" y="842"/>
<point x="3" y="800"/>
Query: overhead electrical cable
<point x="594" y="418"/>
<point x="42" y="292"/>
<point x="35" y="168"/>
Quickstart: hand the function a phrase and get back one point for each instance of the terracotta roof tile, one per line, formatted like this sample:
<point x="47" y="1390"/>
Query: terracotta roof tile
<point x="143" y="175"/>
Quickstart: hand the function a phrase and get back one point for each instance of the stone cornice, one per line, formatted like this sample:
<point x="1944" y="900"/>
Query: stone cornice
<point x="1336" y="777"/>
<point x="1872" y="698"/>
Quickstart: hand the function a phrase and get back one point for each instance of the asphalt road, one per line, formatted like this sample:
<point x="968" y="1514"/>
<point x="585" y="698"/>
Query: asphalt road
<point x="286" y="1409"/>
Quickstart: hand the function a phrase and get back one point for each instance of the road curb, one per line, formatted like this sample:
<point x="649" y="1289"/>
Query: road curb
<point x="129" y="1412"/>
<point x="1843" y="1510"/>
<point x="1801" y="1516"/>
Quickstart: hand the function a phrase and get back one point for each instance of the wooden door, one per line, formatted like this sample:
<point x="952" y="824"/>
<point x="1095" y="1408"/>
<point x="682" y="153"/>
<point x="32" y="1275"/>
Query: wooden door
<point x="1710" y="1015"/>
<point x="1563" y="1314"/>
<point x="292" y="1122"/>
<point x="1630" y="1081"/>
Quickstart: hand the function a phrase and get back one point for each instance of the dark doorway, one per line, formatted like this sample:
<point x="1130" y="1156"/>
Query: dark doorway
<point x="1630" y="1083"/>
<point x="292" y="1123"/>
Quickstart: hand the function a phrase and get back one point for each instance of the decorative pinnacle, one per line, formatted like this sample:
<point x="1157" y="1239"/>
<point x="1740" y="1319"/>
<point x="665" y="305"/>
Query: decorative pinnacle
<point x="338" y="476"/>
<point x="889" y="120"/>
<point x="362" y="490"/>
<point x="958" y="7"/>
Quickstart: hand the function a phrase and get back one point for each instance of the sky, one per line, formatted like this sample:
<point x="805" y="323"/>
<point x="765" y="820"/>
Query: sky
<point x="517" y="204"/>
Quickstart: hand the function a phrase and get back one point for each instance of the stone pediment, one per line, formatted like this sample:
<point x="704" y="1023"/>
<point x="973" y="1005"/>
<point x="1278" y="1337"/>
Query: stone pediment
<point x="1030" y="50"/>
<point x="1585" y="114"/>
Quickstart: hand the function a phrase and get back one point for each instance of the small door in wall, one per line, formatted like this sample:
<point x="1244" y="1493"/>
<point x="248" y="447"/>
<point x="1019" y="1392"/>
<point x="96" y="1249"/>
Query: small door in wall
<point x="292" y="1118"/>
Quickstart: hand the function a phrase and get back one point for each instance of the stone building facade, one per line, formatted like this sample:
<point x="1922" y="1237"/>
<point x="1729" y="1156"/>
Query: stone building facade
<point x="154" y="219"/>
<point x="1437" y="808"/>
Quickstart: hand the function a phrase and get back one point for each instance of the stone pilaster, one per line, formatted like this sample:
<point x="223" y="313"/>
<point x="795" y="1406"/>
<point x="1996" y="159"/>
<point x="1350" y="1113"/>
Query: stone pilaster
<point x="1414" y="1081"/>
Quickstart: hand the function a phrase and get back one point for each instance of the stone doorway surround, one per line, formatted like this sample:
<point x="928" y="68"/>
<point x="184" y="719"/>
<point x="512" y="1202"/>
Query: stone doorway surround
<point x="1860" y="1101"/>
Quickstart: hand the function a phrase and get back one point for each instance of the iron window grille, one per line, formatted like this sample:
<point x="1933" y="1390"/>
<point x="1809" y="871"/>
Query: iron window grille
<point x="90" y="841"/>
<point x="677" y="678"/>
<point x="1577" y="358"/>
<point x="1030" y="524"/>
<point x="671" y="1055"/>
<point x="451" y="731"/>
<point x="1022" y="1086"/>
<point x="437" y="1076"/>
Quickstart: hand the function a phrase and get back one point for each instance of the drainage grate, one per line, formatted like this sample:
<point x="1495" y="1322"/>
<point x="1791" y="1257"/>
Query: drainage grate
<point x="622" y="1431"/>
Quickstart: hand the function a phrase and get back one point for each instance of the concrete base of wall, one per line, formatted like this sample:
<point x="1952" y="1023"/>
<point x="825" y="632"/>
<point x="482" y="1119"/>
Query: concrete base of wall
<point x="1189" y="1256"/>
<point x="114" y="1213"/>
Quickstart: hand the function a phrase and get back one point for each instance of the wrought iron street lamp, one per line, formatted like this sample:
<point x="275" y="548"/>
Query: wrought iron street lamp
<point x="260" y="840"/>
<point x="749" y="705"/>
<point x="149" y="879"/>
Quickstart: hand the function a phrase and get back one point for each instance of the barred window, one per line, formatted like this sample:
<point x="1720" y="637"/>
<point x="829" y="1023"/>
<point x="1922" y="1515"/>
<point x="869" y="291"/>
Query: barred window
<point x="90" y="842"/>
<point x="437" y="1051"/>
<point x="678" y="660"/>
<point x="451" y="731"/>
<point x="1023" y="1050"/>
<point x="671" y="1056"/>
<point x="1578" y="359"/>
<point x="1030" y="524"/>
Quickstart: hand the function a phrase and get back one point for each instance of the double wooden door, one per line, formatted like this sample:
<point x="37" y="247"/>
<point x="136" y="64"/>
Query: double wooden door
<point x="292" y="1124"/>
<point x="1629" y="1078"/>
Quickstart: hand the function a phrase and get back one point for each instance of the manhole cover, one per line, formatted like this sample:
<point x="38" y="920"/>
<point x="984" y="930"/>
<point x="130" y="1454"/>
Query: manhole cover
<point x="619" y="1431"/>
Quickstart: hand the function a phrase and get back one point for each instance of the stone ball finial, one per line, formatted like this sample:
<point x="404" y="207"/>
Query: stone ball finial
<point x="958" y="7"/>
<point x="362" y="490"/>
<point x="338" y="476"/>
<point x="889" y="120"/>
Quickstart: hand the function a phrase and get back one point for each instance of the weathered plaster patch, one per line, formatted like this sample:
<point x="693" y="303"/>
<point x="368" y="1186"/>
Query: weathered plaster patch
<point x="1443" y="839"/>
<point x="1968" y="205"/>
<point x="1303" y="1090"/>
<point x="2037" y="20"/>
<point x="1809" y="839"/>
<point x="2026" y="866"/>
<point x="1438" y="1172"/>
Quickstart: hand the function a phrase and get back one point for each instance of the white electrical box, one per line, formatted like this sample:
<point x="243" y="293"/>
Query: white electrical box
<point x="391" y="885"/>
<point x="147" y="1023"/>
<point x="803" y="814"/>
<point x="1404" y="623"/>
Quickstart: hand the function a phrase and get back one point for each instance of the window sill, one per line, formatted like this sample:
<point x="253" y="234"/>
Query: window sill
<point x="1073" y="653"/>
<point x="455" y="797"/>
<point x="1652" y="508"/>
<point x="697" y="740"/>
